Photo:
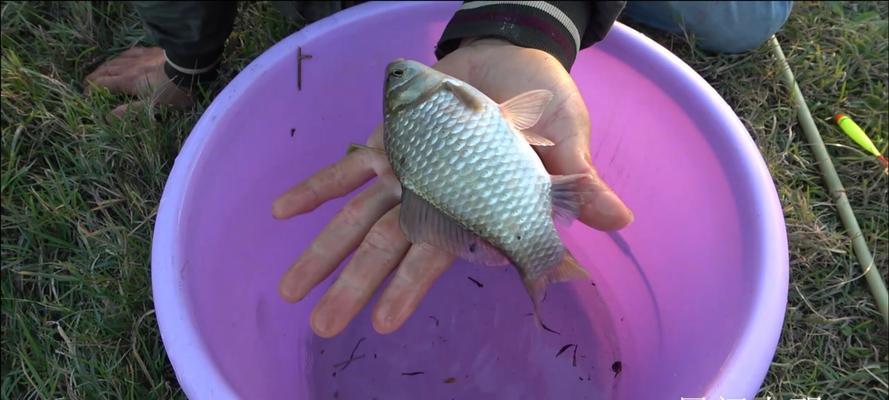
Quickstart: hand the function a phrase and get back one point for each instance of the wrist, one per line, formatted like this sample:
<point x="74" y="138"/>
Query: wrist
<point x="484" y="41"/>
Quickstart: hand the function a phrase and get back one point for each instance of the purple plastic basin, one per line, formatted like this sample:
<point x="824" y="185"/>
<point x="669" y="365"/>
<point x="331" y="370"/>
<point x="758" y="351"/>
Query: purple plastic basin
<point x="687" y="301"/>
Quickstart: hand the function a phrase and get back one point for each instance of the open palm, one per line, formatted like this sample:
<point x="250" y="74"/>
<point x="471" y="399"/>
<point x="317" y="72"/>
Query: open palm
<point x="368" y="224"/>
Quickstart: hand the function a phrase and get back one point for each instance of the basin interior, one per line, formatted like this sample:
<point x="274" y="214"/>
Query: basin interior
<point x="669" y="298"/>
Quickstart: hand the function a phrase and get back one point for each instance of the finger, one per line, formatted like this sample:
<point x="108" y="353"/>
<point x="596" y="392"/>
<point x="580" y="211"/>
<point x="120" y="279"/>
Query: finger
<point x="334" y="181"/>
<point x="601" y="208"/>
<point x="379" y="253"/>
<point x="419" y="269"/>
<point x="342" y="235"/>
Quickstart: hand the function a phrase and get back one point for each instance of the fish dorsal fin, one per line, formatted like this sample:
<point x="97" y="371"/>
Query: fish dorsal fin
<point x="423" y="223"/>
<point x="523" y="112"/>
<point x="568" y="194"/>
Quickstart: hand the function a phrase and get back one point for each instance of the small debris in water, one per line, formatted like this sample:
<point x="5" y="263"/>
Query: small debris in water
<point x="574" y="354"/>
<point x="565" y="347"/>
<point x="345" y="364"/>
<point x="580" y="378"/>
<point x="616" y="367"/>
<point x="548" y="329"/>
<point x="292" y="131"/>
<point x="593" y="283"/>
<point x="477" y="283"/>
<point x="434" y="319"/>
<point x="412" y="373"/>
<point x="450" y="380"/>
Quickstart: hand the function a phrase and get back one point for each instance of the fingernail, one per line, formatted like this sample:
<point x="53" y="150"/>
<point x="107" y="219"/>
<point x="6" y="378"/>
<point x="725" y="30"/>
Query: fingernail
<point x="278" y="208"/>
<point x="285" y="203"/>
<point x="289" y="289"/>
<point x="386" y="317"/>
<point x="399" y="313"/>
<point x="322" y="320"/>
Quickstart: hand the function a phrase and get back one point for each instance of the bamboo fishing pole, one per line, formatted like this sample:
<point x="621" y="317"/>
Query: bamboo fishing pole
<point x="834" y="185"/>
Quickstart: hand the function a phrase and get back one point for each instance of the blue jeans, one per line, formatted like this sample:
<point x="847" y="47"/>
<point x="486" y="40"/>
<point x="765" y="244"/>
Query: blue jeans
<point x="716" y="26"/>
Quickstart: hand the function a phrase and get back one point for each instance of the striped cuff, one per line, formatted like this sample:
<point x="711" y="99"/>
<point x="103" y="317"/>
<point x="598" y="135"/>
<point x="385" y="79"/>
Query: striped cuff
<point x="189" y="71"/>
<point x="554" y="27"/>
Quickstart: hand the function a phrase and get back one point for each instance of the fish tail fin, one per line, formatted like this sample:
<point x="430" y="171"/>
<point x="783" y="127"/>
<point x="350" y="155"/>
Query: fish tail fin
<point x="567" y="270"/>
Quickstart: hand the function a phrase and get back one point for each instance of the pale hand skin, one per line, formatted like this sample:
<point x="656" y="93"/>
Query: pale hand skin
<point x="139" y="72"/>
<point x="369" y="222"/>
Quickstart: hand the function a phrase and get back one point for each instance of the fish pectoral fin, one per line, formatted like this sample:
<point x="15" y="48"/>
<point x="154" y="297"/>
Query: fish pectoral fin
<point x="569" y="192"/>
<point x="423" y="223"/>
<point x="536" y="140"/>
<point x="379" y="162"/>
<point x="353" y="147"/>
<point x="524" y="110"/>
<point x="462" y="93"/>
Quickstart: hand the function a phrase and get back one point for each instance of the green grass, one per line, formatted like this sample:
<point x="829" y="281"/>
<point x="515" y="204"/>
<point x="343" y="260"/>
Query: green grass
<point x="80" y="192"/>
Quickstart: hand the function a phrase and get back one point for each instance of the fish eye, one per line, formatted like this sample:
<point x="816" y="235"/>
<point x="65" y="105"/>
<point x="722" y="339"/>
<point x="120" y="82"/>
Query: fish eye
<point x="396" y="73"/>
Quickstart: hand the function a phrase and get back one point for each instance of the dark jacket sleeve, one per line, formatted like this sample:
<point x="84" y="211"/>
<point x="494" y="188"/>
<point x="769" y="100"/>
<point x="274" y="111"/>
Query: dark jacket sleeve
<point x="560" y="28"/>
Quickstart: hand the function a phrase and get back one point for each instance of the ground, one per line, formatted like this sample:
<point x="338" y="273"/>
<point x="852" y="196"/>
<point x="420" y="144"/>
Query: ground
<point x="80" y="193"/>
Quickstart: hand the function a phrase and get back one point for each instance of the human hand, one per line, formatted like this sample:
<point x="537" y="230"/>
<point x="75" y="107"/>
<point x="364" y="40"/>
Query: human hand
<point x="139" y="72"/>
<point x="370" y="220"/>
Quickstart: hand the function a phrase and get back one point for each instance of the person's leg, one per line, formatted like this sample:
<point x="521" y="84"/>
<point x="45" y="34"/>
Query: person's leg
<point x="716" y="26"/>
<point x="307" y="12"/>
<point x="192" y="35"/>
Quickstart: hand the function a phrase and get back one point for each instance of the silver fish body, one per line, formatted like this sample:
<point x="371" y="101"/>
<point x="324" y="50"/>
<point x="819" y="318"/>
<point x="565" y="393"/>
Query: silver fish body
<point x="473" y="185"/>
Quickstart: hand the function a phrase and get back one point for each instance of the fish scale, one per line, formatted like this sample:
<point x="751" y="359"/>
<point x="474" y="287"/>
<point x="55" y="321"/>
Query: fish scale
<point x="466" y="163"/>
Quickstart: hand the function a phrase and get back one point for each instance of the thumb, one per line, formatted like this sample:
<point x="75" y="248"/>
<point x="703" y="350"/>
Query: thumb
<point x="601" y="208"/>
